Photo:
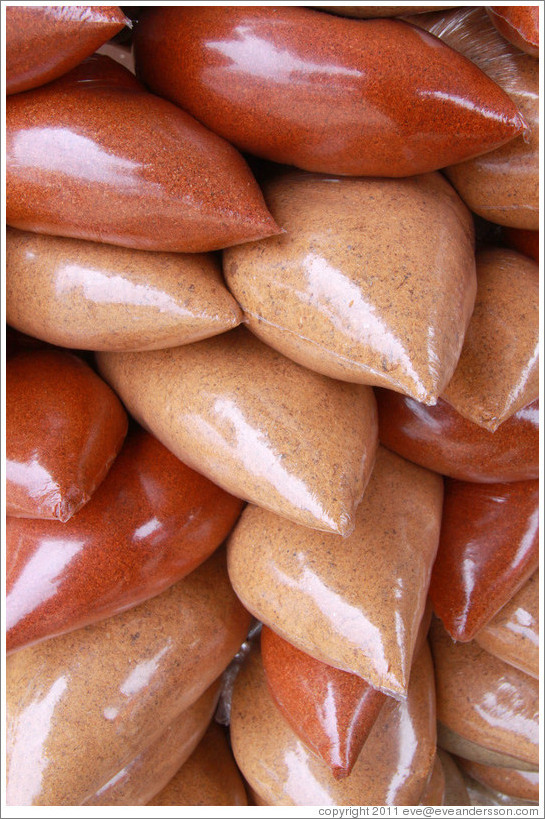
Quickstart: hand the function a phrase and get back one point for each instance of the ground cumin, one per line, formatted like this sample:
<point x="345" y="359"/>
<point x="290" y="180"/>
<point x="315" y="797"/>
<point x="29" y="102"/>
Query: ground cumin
<point x="519" y="25"/>
<point x="209" y="777"/>
<point x="441" y="440"/>
<point x="43" y="42"/>
<point x="82" y="706"/>
<point x="513" y="634"/>
<point x="498" y="370"/>
<point x="95" y="296"/>
<point x="485" y="700"/>
<point x="488" y="549"/>
<point x="155" y="766"/>
<point x="283" y="771"/>
<point x="93" y="156"/>
<point x="152" y="521"/>
<point x="323" y="93"/>
<point x="64" y="428"/>
<point x="502" y="185"/>
<point x="520" y="784"/>
<point x="356" y="604"/>
<point x="255" y="423"/>
<point x="331" y="710"/>
<point x="355" y="288"/>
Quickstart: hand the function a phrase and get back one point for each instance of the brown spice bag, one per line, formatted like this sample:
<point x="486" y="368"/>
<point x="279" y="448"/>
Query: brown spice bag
<point x="513" y="634"/>
<point x="498" y="370"/>
<point x="94" y="156"/>
<point x="95" y="296"/>
<point x="455" y="789"/>
<point x="155" y="766"/>
<point x="501" y="185"/>
<point x="64" y="428"/>
<point x="209" y="777"/>
<point x="355" y="604"/>
<point x="434" y="792"/>
<point x="255" y="423"/>
<point x="486" y="701"/>
<point x="82" y="706"/>
<point x="282" y="770"/>
<point x="356" y="287"/>
<point x="43" y="42"/>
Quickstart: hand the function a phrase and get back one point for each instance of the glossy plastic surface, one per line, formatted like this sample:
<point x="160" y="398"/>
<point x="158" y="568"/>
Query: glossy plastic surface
<point x="321" y="293"/>
<point x="525" y="241"/>
<point x="480" y="794"/>
<point x="520" y="784"/>
<point x="43" y="42"/>
<point x="94" y="156"/>
<point x="164" y="519"/>
<point x="485" y="700"/>
<point x="326" y="94"/>
<point x="455" y="789"/>
<point x="260" y="426"/>
<point x="95" y="296"/>
<point x="434" y="792"/>
<point x="489" y="547"/>
<point x="513" y="634"/>
<point x="209" y="777"/>
<point x="64" y="428"/>
<point x="356" y="604"/>
<point x="82" y="706"/>
<point x="440" y="439"/>
<point x="519" y="25"/>
<point x="503" y="185"/>
<point x="392" y="769"/>
<point x="332" y="711"/>
<point x="498" y="370"/>
<point x="154" y="767"/>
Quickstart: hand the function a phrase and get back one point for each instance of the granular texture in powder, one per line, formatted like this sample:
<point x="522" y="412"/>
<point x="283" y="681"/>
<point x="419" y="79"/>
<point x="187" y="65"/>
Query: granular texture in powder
<point x="332" y="711"/>
<point x="356" y="604"/>
<point x="82" y="706"/>
<point x="283" y="771"/>
<point x="519" y="25"/>
<point x="255" y="423"/>
<point x="520" y="784"/>
<point x="155" y="766"/>
<point x="525" y="241"/>
<point x="209" y="777"/>
<point x="485" y="700"/>
<point x="489" y="547"/>
<point x="503" y="185"/>
<point x="498" y="370"/>
<point x="442" y="440"/>
<point x="97" y="296"/>
<point x="513" y="634"/>
<point x="43" y="42"/>
<point x="434" y="791"/>
<point x="323" y="93"/>
<point x="94" y="156"/>
<point x="455" y="789"/>
<point x="64" y="428"/>
<point x="355" y="288"/>
<point x="152" y="521"/>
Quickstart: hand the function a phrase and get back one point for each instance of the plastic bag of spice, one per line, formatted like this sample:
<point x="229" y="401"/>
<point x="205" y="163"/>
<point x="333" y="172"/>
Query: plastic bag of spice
<point x="255" y="423"/>
<point x="94" y="156"/>
<point x="44" y="42"/>
<point x="164" y="518"/>
<point x="356" y="604"/>
<point x="321" y="92"/>
<point x="95" y="296"/>
<point x="502" y="185"/>
<point x="283" y="771"/>
<point x="498" y="370"/>
<point x="64" y="428"/>
<point x="355" y="287"/>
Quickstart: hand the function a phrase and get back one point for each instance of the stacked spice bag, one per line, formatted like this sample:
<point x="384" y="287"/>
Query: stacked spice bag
<point x="350" y="368"/>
